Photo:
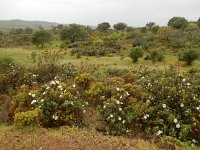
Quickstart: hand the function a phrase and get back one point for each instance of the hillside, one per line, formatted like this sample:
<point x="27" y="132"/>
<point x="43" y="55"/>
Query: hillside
<point x="9" y="24"/>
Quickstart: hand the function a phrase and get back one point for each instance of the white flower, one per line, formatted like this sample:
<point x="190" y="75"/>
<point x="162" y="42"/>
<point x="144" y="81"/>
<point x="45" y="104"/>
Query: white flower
<point x="194" y="141"/>
<point x="183" y="80"/>
<point x="188" y="84"/>
<point x="102" y="97"/>
<point x="84" y="111"/>
<point x="178" y="126"/>
<point x="119" y="118"/>
<point x="145" y="117"/>
<point x="33" y="101"/>
<point x="175" y="120"/>
<point x="127" y="94"/>
<point x="86" y="103"/>
<point x="120" y="97"/>
<point x="60" y="86"/>
<point x="127" y="131"/>
<point x="164" y="105"/>
<point x="182" y="105"/>
<point x="123" y="121"/>
<point x="47" y="87"/>
<point x="44" y="93"/>
<point x="72" y="103"/>
<point x="104" y="106"/>
<point x="34" y="75"/>
<point x="120" y="109"/>
<point x="60" y="95"/>
<point x="117" y="89"/>
<point x="57" y="82"/>
<point x="33" y="95"/>
<point x="30" y="94"/>
<point x="118" y="102"/>
<point x="42" y="100"/>
<point x="55" y="117"/>
<point x="111" y="115"/>
<point x="159" y="132"/>
<point x="198" y="108"/>
<point x="52" y="83"/>
<point x="83" y="105"/>
<point x="74" y="85"/>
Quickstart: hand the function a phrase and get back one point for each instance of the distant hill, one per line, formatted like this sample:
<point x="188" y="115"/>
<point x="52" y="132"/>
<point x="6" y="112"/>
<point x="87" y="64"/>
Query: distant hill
<point x="9" y="24"/>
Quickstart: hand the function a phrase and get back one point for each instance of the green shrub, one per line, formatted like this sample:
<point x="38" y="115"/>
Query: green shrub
<point x="189" y="55"/>
<point x="156" y="56"/>
<point x="136" y="53"/>
<point x="28" y="118"/>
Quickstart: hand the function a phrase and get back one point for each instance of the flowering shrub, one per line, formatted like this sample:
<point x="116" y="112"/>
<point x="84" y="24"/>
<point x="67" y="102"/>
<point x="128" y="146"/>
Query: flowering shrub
<point x="124" y="110"/>
<point x="174" y="102"/>
<point x="60" y="105"/>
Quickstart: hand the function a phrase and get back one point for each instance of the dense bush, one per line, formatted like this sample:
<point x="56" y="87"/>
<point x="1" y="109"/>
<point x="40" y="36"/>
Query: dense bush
<point x="173" y="104"/>
<point x="135" y="53"/>
<point x="27" y="119"/>
<point x="156" y="56"/>
<point x="189" y="55"/>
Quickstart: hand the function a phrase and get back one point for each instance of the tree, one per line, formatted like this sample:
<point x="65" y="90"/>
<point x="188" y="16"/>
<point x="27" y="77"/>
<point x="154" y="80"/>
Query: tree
<point x="198" y="22"/>
<point x="28" y="31"/>
<point x="189" y="55"/>
<point x="178" y="22"/>
<point x="41" y="37"/>
<point x="103" y="26"/>
<point x="19" y="31"/>
<point x="150" y="25"/>
<point x="73" y="32"/>
<point x="120" y="26"/>
<point x="60" y="27"/>
<point x="136" y="53"/>
<point x="155" y="29"/>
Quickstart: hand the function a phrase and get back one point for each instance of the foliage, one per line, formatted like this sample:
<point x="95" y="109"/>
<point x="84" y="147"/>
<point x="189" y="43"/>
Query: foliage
<point x="103" y="26"/>
<point x="178" y="22"/>
<point x="136" y="53"/>
<point x="41" y="37"/>
<point x="28" y="118"/>
<point x="189" y="55"/>
<point x="198" y="22"/>
<point x="156" y="56"/>
<point x="150" y="25"/>
<point x="120" y="26"/>
<point x="73" y="32"/>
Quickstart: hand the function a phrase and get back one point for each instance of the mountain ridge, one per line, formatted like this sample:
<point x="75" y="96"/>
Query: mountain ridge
<point x="18" y="23"/>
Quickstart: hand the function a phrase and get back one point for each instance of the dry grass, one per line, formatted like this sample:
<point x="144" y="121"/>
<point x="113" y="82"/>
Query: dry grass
<point x="68" y="138"/>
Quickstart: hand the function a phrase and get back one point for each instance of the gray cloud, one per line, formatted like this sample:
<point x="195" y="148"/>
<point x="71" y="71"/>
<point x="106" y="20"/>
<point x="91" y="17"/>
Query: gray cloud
<point x="91" y="12"/>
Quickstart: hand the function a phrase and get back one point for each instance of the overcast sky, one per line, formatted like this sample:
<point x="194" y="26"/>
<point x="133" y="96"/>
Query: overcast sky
<point x="92" y="12"/>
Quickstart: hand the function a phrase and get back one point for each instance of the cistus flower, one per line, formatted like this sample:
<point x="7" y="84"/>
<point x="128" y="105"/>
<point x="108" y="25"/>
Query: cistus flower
<point x="33" y="101"/>
<point x="159" y="132"/>
<point x="182" y="105"/>
<point x="175" y="120"/>
<point x="164" y="105"/>
<point x="178" y="126"/>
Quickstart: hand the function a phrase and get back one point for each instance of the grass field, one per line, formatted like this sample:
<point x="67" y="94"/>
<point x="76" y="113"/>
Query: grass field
<point x="70" y="138"/>
<point x="22" y="55"/>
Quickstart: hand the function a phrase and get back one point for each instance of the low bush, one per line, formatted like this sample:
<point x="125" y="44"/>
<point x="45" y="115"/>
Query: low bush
<point x="27" y="119"/>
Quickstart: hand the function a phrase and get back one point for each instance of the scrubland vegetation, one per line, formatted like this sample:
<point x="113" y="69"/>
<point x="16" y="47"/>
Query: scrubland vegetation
<point x="126" y="83"/>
